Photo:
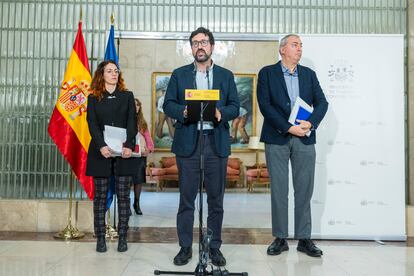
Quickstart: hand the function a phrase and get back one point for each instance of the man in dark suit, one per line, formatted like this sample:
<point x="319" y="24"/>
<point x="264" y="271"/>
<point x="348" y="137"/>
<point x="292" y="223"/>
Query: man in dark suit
<point x="202" y="74"/>
<point x="278" y="87"/>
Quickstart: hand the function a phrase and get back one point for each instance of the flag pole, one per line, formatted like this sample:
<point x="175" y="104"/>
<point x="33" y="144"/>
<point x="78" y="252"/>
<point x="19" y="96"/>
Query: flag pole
<point x="112" y="18"/>
<point x="115" y="195"/>
<point x="70" y="232"/>
<point x="111" y="230"/>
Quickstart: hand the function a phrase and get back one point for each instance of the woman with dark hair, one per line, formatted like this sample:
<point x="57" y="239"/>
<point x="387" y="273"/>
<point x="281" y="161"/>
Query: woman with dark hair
<point x="147" y="147"/>
<point x="110" y="104"/>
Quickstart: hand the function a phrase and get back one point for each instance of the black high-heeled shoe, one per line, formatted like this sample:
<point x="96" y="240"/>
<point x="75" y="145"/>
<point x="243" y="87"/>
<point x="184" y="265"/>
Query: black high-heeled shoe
<point x="122" y="243"/>
<point x="100" y="244"/>
<point x="137" y="208"/>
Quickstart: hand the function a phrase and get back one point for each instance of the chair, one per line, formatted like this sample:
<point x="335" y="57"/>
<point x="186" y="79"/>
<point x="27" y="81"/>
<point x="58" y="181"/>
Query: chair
<point x="257" y="174"/>
<point x="169" y="164"/>
<point x="235" y="171"/>
<point x="160" y="175"/>
<point x="154" y="175"/>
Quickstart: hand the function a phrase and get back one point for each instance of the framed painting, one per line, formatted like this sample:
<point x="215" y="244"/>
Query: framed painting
<point x="244" y="126"/>
<point x="162" y="126"/>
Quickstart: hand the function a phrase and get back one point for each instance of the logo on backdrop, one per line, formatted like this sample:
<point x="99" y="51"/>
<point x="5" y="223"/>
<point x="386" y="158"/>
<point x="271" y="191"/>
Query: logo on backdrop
<point x="341" y="80"/>
<point x="340" y="143"/>
<point x="333" y="222"/>
<point x="341" y="71"/>
<point x="372" y="123"/>
<point x="378" y="163"/>
<point x="333" y="182"/>
<point x="366" y="203"/>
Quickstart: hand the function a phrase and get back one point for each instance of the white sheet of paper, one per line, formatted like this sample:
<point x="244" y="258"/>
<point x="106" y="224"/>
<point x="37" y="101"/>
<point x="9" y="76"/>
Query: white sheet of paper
<point x="114" y="137"/>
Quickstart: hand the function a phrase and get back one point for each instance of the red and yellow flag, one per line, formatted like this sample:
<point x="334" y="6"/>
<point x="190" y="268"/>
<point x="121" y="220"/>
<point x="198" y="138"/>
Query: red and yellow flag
<point x="68" y="127"/>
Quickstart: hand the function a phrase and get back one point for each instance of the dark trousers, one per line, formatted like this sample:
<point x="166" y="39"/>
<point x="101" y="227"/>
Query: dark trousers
<point x="214" y="183"/>
<point x="122" y="187"/>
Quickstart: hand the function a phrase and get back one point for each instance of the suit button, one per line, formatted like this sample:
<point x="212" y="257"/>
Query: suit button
<point x="287" y="104"/>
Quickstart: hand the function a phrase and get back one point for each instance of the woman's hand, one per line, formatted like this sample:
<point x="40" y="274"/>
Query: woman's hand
<point x="144" y="151"/>
<point x="106" y="152"/>
<point x="126" y="152"/>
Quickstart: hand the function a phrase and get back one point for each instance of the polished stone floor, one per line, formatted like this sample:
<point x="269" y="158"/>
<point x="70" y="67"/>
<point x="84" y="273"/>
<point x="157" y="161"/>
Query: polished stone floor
<point x="79" y="258"/>
<point x="153" y="244"/>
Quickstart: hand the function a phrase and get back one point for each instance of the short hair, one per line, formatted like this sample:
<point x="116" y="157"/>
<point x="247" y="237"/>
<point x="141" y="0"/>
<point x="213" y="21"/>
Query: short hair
<point x="202" y="30"/>
<point x="284" y="40"/>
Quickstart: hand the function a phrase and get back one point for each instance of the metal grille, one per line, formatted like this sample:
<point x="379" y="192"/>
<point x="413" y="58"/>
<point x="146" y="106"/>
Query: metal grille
<point x="37" y="36"/>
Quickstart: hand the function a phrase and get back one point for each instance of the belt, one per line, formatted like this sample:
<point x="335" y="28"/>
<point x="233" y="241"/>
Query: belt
<point x="208" y="131"/>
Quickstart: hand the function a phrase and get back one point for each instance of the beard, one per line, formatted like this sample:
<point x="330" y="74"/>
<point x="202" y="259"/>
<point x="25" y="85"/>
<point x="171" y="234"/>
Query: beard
<point x="203" y="58"/>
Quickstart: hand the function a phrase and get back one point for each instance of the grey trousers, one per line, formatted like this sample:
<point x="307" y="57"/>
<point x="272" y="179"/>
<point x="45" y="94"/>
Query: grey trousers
<point x="302" y="158"/>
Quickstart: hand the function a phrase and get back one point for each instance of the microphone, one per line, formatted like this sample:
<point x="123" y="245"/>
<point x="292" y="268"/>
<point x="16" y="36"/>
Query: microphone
<point x="208" y="76"/>
<point x="195" y="76"/>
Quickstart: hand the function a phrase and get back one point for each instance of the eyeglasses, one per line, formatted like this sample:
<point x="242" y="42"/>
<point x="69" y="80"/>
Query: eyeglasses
<point x="196" y="43"/>
<point x="110" y="71"/>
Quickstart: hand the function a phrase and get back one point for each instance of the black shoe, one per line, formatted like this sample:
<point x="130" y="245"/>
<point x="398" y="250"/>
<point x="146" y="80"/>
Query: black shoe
<point x="183" y="256"/>
<point x="217" y="257"/>
<point x="100" y="245"/>
<point x="122" y="243"/>
<point x="137" y="208"/>
<point x="307" y="246"/>
<point x="277" y="247"/>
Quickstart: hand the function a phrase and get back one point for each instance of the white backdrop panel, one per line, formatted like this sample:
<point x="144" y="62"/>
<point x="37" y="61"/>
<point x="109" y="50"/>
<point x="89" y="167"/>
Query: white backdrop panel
<point x="360" y="179"/>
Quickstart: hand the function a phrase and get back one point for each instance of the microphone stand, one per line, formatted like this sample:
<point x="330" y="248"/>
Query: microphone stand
<point x="204" y="239"/>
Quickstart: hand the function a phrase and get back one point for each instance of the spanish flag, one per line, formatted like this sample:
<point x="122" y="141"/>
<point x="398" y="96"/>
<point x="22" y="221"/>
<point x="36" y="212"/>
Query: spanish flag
<point x="68" y="127"/>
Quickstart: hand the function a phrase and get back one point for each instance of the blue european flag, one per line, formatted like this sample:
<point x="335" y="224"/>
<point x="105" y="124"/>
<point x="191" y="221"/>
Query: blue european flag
<point x="111" y="192"/>
<point x="110" y="54"/>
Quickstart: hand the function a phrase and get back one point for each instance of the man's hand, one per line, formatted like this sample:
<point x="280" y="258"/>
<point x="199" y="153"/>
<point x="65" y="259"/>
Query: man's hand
<point x="305" y="125"/>
<point x="106" y="152"/>
<point x="126" y="152"/>
<point x="185" y="112"/>
<point x="297" y="130"/>
<point x="218" y="115"/>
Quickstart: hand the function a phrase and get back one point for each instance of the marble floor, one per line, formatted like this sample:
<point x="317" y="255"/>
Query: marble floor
<point x="153" y="244"/>
<point x="79" y="258"/>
